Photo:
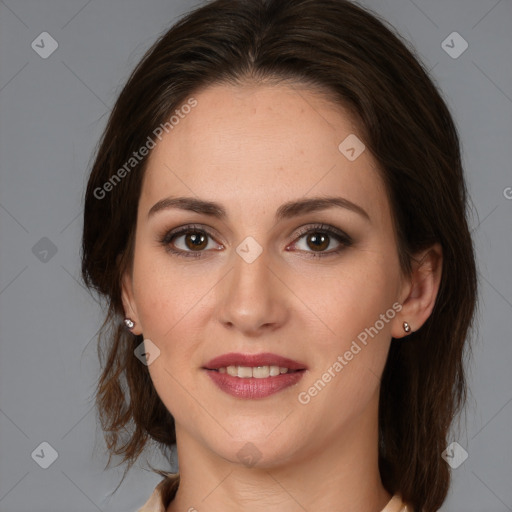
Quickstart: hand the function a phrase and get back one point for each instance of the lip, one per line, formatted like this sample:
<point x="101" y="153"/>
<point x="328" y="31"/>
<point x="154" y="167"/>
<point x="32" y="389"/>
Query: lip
<point x="253" y="388"/>
<point x="264" y="359"/>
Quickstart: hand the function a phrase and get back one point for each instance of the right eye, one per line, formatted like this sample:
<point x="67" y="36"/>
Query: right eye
<point x="194" y="241"/>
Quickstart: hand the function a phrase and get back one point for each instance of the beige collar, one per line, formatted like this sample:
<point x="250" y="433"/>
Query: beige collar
<point x="154" y="503"/>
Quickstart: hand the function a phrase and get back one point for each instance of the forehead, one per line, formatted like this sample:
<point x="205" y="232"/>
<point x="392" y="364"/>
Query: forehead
<point x="260" y="143"/>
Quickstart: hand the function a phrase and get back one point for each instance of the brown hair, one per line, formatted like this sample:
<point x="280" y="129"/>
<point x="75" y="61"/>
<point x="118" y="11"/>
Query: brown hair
<point x="368" y="68"/>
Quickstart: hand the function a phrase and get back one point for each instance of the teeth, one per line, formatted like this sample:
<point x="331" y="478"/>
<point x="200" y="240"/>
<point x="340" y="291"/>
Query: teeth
<point x="232" y="370"/>
<point x="260" y="372"/>
<point x="257" y="372"/>
<point x="275" y="370"/>
<point x="244" y="372"/>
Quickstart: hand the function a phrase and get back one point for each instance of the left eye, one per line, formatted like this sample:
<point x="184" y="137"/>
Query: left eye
<point x="320" y="240"/>
<point x="315" y="240"/>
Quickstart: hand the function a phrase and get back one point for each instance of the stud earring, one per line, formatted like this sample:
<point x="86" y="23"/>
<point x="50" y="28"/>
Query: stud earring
<point x="129" y="323"/>
<point x="407" y="327"/>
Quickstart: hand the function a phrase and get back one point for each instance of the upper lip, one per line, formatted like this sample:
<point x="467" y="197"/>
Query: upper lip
<point x="253" y="360"/>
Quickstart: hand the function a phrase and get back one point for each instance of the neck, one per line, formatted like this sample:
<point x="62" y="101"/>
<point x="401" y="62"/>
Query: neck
<point x="340" y="472"/>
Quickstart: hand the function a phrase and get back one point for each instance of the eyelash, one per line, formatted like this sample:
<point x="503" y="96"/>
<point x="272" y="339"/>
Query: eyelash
<point x="340" y="236"/>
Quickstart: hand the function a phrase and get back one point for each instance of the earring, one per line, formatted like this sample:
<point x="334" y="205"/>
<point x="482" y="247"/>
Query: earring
<point x="407" y="327"/>
<point x="129" y="323"/>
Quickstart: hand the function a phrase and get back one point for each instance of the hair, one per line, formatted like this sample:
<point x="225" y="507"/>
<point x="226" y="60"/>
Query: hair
<point x="365" y="66"/>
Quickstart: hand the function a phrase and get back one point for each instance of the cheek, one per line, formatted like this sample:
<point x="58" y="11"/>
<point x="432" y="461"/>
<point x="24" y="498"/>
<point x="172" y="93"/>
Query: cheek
<point x="170" y="299"/>
<point x="348" y="368"/>
<point x="164" y="294"/>
<point x="355" y="305"/>
<point x="167" y="305"/>
<point x="349" y="298"/>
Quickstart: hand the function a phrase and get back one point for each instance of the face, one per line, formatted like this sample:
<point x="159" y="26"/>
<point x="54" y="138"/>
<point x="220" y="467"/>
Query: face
<point x="277" y="276"/>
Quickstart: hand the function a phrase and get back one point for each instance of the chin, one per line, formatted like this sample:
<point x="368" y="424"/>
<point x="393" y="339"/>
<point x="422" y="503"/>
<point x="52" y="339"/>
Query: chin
<point x="258" y="450"/>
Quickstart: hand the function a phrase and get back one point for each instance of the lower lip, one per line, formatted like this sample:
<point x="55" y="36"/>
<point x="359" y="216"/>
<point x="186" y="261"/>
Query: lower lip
<point x="252" y="388"/>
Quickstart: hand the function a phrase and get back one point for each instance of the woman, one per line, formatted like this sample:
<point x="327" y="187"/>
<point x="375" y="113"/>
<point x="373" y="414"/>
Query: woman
<point x="276" y="218"/>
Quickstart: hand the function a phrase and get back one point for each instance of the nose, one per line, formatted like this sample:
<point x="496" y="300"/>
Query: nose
<point x="253" y="299"/>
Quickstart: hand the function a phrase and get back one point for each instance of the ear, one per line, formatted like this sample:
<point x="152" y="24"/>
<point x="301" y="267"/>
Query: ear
<point x="130" y="308"/>
<point x="419" y="290"/>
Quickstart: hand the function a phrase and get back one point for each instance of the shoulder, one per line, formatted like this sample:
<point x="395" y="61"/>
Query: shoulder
<point x="162" y="495"/>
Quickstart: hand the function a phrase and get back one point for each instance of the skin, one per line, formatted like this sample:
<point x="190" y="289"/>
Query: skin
<point x="252" y="148"/>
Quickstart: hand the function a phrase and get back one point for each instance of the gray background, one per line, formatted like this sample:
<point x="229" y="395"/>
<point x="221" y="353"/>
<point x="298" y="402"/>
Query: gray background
<point x="52" y="112"/>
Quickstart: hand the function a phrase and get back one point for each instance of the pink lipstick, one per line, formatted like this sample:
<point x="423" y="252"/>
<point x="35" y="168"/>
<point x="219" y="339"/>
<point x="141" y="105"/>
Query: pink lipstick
<point x="252" y="376"/>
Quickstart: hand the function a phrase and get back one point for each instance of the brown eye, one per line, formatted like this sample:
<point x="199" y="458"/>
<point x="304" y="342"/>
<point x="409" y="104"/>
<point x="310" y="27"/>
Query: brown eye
<point x="196" y="240"/>
<point x="318" y="241"/>
<point x="322" y="240"/>
<point x="189" y="241"/>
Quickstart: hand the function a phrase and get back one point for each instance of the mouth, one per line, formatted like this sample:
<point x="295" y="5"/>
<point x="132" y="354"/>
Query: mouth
<point x="258" y="366"/>
<point x="251" y="376"/>
<point x="256" y="372"/>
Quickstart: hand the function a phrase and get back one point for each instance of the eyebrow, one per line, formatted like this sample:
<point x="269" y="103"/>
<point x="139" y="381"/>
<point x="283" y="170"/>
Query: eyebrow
<point x="285" y="211"/>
